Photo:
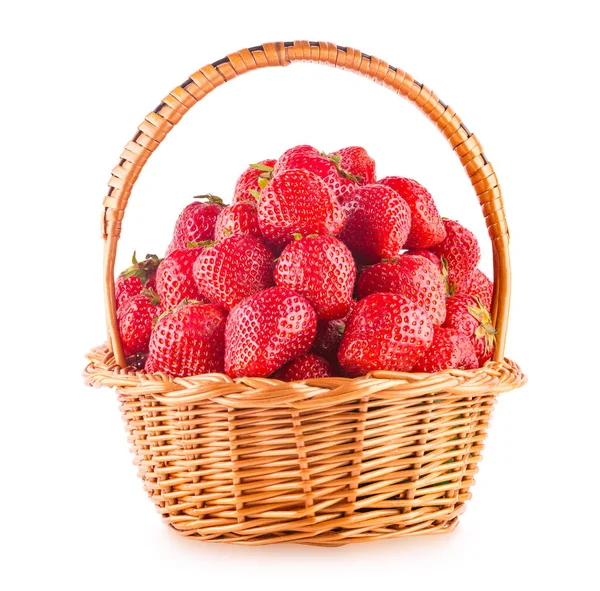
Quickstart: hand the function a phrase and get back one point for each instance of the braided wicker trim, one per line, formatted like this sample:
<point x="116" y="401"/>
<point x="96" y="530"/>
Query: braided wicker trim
<point x="494" y="377"/>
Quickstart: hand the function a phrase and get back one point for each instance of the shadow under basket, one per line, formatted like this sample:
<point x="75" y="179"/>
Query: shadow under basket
<point x="327" y="461"/>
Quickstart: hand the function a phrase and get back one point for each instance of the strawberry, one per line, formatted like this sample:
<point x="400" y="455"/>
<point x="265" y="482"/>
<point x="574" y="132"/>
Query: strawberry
<point x="266" y="330"/>
<point x="386" y="331"/>
<point x="135" y="320"/>
<point x="467" y="314"/>
<point x="357" y="162"/>
<point x="460" y="250"/>
<point x="196" y="223"/>
<point x="140" y="276"/>
<point x="175" y="277"/>
<point x="450" y="349"/>
<point x="427" y="227"/>
<point x="291" y="157"/>
<point x="339" y="181"/>
<point x="252" y="180"/>
<point x="321" y="269"/>
<point x="425" y="254"/>
<point x="297" y="201"/>
<point x="377" y="223"/>
<point x="416" y="278"/>
<point x="481" y="287"/>
<point x="240" y="218"/>
<point x="306" y="367"/>
<point x="188" y="340"/>
<point x="230" y="270"/>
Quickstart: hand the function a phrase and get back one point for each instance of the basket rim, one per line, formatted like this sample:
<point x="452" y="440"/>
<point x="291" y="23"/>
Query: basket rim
<point x="249" y="392"/>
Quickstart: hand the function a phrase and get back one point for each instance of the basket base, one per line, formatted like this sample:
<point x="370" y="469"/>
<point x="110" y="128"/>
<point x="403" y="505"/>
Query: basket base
<point x="328" y="537"/>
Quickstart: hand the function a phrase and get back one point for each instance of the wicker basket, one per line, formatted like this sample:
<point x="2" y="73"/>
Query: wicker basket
<point x="326" y="461"/>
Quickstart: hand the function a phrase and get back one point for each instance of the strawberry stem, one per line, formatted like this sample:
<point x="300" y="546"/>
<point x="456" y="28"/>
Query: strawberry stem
<point x="209" y="198"/>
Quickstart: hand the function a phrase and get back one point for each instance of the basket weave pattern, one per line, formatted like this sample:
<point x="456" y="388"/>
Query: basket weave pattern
<point x="326" y="461"/>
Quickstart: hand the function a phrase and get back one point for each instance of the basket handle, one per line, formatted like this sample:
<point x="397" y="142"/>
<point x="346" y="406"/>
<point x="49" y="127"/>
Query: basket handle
<point x="159" y="122"/>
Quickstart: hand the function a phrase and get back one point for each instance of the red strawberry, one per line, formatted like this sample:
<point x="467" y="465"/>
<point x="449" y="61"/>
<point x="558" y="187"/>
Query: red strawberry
<point x="377" y="223"/>
<point x="135" y="320"/>
<point x="426" y="227"/>
<point x="425" y="254"/>
<point x="321" y="269"/>
<point x="252" y="180"/>
<point x="266" y="330"/>
<point x="339" y="184"/>
<point x="297" y="201"/>
<point x="416" y="278"/>
<point x="357" y="162"/>
<point x="240" y="218"/>
<point x="140" y="276"/>
<point x="196" y="223"/>
<point x="466" y="314"/>
<point x="306" y="367"/>
<point x="292" y="156"/>
<point x="188" y="340"/>
<point x="308" y="158"/>
<point x="233" y="269"/>
<point x="175" y="277"/>
<point x="481" y="287"/>
<point x="460" y="250"/>
<point x="386" y="331"/>
<point x="450" y="349"/>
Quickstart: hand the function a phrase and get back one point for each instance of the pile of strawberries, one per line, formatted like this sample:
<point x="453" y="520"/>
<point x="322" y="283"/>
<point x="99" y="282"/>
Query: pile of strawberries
<point x="317" y="269"/>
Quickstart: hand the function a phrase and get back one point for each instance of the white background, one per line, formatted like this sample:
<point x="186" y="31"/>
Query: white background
<point x="77" y="78"/>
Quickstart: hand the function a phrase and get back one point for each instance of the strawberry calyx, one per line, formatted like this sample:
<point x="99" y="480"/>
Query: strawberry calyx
<point x="151" y="295"/>
<point x="336" y="159"/>
<point x="254" y="193"/>
<point x="268" y="170"/>
<point x="262" y="182"/>
<point x="266" y="174"/>
<point x="143" y="269"/>
<point x="184" y="302"/>
<point x="485" y="329"/>
<point x="209" y="198"/>
<point x="450" y="287"/>
<point x="202" y="243"/>
<point x="297" y="236"/>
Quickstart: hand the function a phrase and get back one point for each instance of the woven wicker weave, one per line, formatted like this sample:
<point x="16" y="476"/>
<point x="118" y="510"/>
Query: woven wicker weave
<point x="326" y="461"/>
